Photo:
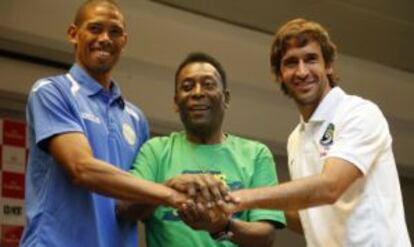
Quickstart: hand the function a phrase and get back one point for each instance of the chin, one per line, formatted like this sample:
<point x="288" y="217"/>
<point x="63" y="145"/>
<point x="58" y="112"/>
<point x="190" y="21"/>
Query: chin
<point x="102" y="68"/>
<point x="198" y="127"/>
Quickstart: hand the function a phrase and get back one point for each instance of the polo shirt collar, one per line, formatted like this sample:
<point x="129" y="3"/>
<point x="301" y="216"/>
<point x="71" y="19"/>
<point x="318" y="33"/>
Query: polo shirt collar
<point x="326" y="107"/>
<point x="92" y="87"/>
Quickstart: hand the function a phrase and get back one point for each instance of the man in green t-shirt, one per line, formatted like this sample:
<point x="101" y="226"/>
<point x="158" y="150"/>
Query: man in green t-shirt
<point x="204" y="162"/>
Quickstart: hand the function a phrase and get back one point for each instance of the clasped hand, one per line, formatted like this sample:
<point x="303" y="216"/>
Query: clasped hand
<point x="209" y="201"/>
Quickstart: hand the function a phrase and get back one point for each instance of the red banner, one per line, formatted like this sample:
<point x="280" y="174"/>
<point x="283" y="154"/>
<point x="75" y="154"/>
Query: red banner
<point x="10" y="235"/>
<point x="13" y="159"/>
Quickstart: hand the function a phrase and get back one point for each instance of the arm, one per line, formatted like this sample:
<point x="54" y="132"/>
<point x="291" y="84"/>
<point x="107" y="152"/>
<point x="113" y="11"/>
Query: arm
<point x="134" y="211"/>
<point x="73" y="152"/>
<point x="321" y="189"/>
<point x="293" y="221"/>
<point x="206" y="187"/>
<point x="243" y="233"/>
<point x="259" y="233"/>
<point x="211" y="190"/>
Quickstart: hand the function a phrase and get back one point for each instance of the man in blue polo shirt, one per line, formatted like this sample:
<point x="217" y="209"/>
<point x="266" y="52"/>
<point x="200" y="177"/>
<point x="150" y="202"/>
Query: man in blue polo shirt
<point x="83" y="136"/>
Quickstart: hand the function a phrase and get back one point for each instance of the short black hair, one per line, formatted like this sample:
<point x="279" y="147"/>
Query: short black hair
<point x="201" y="57"/>
<point x="86" y="4"/>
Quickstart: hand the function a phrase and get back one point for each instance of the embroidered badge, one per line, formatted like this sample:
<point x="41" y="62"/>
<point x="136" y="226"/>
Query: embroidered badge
<point x="129" y="134"/>
<point x="328" y="136"/>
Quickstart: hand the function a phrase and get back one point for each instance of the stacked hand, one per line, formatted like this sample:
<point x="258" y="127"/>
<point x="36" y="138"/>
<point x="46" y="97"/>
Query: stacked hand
<point x="209" y="201"/>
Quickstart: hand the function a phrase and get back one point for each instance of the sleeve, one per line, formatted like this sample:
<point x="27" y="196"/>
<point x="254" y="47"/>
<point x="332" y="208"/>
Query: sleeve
<point x="361" y="136"/>
<point x="145" y="128"/>
<point x="145" y="164"/>
<point x="49" y="112"/>
<point x="265" y="175"/>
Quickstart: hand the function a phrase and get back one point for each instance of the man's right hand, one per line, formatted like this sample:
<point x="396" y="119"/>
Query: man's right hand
<point x="204" y="188"/>
<point x="177" y="199"/>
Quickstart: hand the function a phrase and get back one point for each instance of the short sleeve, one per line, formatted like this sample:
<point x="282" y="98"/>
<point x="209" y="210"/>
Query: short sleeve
<point x="361" y="136"/>
<point x="145" y="164"/>
<point x="265" y="175"/>
<point x="49" y="112"/>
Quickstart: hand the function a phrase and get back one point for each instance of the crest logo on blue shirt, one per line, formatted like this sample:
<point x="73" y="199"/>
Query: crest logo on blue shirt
<point x="129" y="134"/>
<point x="328" y="136"/>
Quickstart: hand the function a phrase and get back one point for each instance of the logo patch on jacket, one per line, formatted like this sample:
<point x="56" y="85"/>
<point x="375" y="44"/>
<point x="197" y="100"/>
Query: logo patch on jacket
<point x="328" y="136"/>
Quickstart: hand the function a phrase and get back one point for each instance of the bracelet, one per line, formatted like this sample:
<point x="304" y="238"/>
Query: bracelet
<point x="225" y="234"/>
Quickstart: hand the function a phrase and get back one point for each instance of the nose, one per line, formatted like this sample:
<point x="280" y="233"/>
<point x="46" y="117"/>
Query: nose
<point x="197" y="90"/>
<point x="302" y="70"/>
<point x="104" y="37"/>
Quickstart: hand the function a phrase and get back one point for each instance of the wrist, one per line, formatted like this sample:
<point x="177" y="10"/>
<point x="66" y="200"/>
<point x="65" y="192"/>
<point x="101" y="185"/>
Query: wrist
<point x="225" y="233"/>
<point x="169" y="198"/>
<point x="245" y="200"/>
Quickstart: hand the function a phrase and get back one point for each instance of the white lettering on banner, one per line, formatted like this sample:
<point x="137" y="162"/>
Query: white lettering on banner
<point x="14" y="158"/>
<point x="12" y="211"/>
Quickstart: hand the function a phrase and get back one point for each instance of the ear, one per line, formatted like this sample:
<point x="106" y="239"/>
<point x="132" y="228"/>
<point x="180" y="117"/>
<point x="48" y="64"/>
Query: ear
<point x="72" y="33"/>
<point x="329" y="69"/>
<point x="226" y="99"/>
<point x="125" y="41"/>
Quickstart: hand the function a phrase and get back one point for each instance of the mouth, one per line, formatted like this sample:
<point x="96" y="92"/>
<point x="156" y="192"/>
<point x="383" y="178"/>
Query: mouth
<point x="304" y="85"/>
<point x="102" y="53"/>
<point x="198" y="108"/>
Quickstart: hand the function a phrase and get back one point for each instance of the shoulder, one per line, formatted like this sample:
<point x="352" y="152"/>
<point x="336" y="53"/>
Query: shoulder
<point x="356" y="107"/>
<point x="135" y="112"/>
<point x="160" y="143"/>
<point x="50" y="85"/>
<point x="247" y="146"/>
<point x="50" y="89"/>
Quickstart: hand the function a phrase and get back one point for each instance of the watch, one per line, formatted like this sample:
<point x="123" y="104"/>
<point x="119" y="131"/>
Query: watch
<point x="225" y="234"/>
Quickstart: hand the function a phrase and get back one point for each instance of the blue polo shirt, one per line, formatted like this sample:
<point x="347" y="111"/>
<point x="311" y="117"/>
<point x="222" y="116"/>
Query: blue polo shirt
<point x="60" y="213"/>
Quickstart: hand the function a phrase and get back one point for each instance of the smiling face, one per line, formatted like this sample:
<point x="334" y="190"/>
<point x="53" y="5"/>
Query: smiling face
<point x="200" y="98"/>
<point x="305" y="74"/>
<point x="99" y="38"/>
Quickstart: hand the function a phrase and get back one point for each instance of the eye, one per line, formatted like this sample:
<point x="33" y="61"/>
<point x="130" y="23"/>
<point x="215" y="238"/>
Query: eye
<point x="290" y="62"/>
<point x="311" y="58"/>
<point x="116" y="31"/>
<point x="95" y="28"/>
<point x="209" y="83"/>
<point x="187" y="85"/>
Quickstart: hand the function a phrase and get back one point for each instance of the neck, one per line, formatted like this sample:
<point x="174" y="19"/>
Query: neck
<point x="307" y="110"/>
<point x="102" y="77"/>
<point x="213" y="138"/>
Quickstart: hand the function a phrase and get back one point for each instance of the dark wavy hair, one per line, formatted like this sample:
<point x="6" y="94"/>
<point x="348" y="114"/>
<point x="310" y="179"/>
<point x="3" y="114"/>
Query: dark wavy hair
<point x="299" y="32"/>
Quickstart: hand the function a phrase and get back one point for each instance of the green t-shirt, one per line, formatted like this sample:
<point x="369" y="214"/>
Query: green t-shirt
<point x="239" y="162"/>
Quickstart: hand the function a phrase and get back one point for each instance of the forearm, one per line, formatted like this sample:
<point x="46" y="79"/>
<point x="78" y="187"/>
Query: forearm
<point x="134" y="211"/>
<point x="247" y="234"/>
<point x="74" y="154"/>
<point x="293" y="221"/>
<point x="324" y="188"/>
<point x="103" y="178"/>
<point x="294" y="195"/>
